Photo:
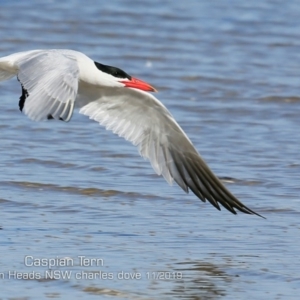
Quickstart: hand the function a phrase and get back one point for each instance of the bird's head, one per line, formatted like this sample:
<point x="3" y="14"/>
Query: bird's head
<point x="124" y="78"/>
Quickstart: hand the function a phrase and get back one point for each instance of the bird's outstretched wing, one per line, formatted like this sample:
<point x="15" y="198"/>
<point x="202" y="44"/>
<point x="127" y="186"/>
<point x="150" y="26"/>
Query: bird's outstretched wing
<point x="49" y="81"/>
<point x="141" y="119"/>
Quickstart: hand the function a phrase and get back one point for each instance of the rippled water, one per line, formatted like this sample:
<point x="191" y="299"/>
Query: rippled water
<point x="229" y="73"/>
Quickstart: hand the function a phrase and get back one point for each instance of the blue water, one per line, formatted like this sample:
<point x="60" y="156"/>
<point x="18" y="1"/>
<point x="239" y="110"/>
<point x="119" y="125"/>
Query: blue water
<point x="229" y="73"/>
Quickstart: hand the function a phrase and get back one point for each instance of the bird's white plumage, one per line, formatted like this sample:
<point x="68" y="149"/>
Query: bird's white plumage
<point x="51" y="80"/>
<point x="54" y="79"/>
<point x="141" y="119"/>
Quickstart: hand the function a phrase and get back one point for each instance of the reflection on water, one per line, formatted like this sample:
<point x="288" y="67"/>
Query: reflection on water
<point x="288" y="99"/>
<point x="34" y="186"/>
<point x="188" y="280"/>
<point x="202" y="280"/>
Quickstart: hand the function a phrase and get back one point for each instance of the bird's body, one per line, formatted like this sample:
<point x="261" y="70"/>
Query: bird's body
<point x="54" y="81"/>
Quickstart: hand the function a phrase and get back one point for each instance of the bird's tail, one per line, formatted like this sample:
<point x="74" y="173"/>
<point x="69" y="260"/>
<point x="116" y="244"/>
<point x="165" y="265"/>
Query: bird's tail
<point x="7" y="71"/>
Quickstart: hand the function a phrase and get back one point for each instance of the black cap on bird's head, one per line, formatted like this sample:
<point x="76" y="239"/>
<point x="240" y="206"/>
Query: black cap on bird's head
<point x="126" y="79"/>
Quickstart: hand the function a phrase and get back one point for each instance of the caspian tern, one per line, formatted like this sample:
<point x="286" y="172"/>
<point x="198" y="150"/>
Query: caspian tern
<point x="54" y="80"/>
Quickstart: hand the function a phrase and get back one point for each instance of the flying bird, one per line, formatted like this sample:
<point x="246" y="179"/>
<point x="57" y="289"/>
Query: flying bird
<point x="53" y="81"/>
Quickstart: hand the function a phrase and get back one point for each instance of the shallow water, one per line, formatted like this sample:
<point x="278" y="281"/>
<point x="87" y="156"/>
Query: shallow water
<point x="230" y="76"/>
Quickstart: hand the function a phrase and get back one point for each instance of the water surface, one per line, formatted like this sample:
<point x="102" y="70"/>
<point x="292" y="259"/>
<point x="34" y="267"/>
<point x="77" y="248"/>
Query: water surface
<point x="230" y="76"/>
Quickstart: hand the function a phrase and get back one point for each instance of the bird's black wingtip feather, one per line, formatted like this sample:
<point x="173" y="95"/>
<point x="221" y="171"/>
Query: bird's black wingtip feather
<point x="257" y="214"/>
<point x="249" y="211"/>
